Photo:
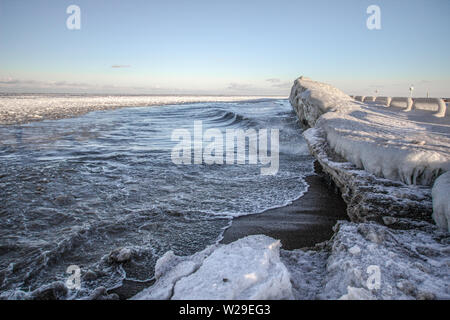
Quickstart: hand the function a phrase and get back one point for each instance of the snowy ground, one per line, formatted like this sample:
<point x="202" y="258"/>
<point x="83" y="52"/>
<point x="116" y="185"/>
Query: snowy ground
<point x="25" y="108"/>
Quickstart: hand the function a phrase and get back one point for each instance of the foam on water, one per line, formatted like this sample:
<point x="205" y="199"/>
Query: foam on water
<point x="73" y="190"/>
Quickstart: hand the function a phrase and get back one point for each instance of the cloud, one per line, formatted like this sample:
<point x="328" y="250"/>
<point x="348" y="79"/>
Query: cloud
<point x="69" y="84"/>
<point x="9" y="84"/>
<point x="118" y="66"/>
<point x="9" y="81"/>
<point x="279" y="84"/>
<point x="282" y="85"/>
<point x="239" y="86"/>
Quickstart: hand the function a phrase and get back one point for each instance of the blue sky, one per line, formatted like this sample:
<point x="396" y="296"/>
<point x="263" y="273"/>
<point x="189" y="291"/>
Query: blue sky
<point x="224" y="47"/>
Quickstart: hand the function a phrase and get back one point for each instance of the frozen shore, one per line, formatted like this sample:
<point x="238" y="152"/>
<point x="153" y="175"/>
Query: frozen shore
<point x="384" y="160"/>
<point x="385" y="163"/>
<point x="16" y="109"/>
<point x="361" y="261"/>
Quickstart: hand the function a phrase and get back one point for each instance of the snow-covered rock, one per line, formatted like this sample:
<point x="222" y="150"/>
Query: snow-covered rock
<point x="370" y="261"/>
<point x="384" y="161"/>
<point x="370" y="198"/>
<point x="402" y="146"/>
<point x="391" y="264"/>
<point x="441" y="201"/>
<point x="249" y="268"/>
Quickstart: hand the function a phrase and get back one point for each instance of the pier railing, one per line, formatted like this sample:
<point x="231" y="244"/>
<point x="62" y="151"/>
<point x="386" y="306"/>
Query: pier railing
<point x="437" y="106"/>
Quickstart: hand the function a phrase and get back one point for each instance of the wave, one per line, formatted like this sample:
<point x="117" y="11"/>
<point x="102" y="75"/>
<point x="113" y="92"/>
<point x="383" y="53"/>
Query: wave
<point x="226" y="118"/>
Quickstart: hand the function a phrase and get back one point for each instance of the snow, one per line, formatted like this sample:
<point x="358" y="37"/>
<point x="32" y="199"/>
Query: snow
<point x="388" y="264"/>
<point x="361" y="261"/>
<point x="168" y="270"/>
<point x="441" y="201"/>
<point x="412" y="264"/>
<point x="411" y="147"/>
<point x="308" y="270"/>
<point x="357" y="294"/>
<point x="249" y="269"/>
<point x="370" y="198"/>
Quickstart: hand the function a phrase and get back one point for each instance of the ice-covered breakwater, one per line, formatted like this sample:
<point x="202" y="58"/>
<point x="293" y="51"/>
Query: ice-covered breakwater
<point x="384" y="161"/>
<point x="411" y="148"/>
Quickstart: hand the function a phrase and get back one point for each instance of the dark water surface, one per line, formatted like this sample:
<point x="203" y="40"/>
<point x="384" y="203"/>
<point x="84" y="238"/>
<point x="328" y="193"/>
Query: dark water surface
<point x="73" y="190"/>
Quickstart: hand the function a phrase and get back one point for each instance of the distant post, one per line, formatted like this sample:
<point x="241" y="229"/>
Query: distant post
<point x="411" y="89"/>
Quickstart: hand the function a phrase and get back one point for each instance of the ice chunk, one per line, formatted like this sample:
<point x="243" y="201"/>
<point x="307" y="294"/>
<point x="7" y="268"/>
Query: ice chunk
<point x="391" y="264"/>
<point x="249" y="268"/>
<point x="441" y="201"/>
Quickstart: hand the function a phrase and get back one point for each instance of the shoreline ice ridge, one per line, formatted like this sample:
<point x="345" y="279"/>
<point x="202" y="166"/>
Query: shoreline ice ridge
<point x="381" y="158"/>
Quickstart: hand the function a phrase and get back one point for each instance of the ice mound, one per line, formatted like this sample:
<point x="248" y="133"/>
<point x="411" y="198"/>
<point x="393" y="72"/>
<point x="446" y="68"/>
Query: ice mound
<point x="369" y="261"/>
<point x="249" y="269"/>
<point x="308" y="271"/>
<point x="410" y="147"/>
<point x="371" y="198"/>
<point x="387" y="264"/>
<point x="441" y="201"/>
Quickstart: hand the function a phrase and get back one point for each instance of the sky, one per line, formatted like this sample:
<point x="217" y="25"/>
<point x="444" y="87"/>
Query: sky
<point x="248" y="47"/>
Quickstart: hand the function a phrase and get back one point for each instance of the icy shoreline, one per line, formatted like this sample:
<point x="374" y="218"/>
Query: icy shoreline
<point x="17" y="109"/>
<point x="391" y="249"/>
<point x="384" y="162"/>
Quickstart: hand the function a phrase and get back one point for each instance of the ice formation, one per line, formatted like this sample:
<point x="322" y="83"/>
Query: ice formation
<point x="370" y="198"/>
<point x="361" y="261"/>
<point x="411" y="147"/>
<point x="371" y="261"/>
<point x="379" y="157"/>
<point x="249" y="268"/>
<point x="441" y="201"/>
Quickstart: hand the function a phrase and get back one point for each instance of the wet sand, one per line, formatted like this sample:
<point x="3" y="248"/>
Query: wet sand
<point x="306" y="222"/>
